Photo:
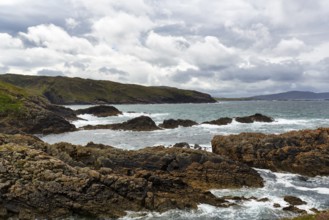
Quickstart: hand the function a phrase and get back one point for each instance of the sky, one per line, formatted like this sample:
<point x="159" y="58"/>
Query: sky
<point x="228" y="48"/>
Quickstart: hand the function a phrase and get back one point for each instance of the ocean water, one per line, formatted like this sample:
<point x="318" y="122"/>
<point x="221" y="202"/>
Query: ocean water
<point x="288" y="115"/>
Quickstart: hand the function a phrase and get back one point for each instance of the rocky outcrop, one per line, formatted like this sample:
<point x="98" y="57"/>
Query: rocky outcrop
<point x="100" y="111"/>
<point x="175" y="123"/>
<point x="304" y="152"/>
<point x="38" y="180"/>
<point x="220" y="121"/>
<point x="254" y="118"/>
<point x="36" y="116"/>
<point x="292" y="200"/>
<point x="142" y="123"/>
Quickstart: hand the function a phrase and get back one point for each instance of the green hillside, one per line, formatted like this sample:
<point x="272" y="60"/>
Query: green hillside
<point x="11" y="99"/>
<point x="64" y="90"/>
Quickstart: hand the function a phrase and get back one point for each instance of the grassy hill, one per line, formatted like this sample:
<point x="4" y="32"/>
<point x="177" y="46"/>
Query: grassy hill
<point x="11" y="99"/>
<point x="64" y="90"/>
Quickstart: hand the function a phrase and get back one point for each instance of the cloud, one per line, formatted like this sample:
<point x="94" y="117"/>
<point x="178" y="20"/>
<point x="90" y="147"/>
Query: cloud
<point x="212" y="46"/>
<point x="47" y="72"/>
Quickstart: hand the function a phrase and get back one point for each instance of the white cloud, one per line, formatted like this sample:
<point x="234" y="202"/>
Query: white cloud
<point x="207" y="45"/>
<point x="290" y="47"/>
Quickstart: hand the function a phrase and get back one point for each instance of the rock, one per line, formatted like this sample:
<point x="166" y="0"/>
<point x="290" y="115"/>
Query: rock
<point x="142" y="123"/>
<point x="66" y="113"/>
<point x="100" y="111"/>
<point x="172" y="123"/>
<point x="220" y="121"/>
<point x="304" y="152"/>
<point x="178" y="145"/>
<point x="263" y="200"/>
<point x="276" y="205"/>
<point x="252" y="118"/>
<point x="294" y="209"/>
<point x="99" y="182"/>
<point x="292" y="200"/>
<point x="35" y="119"/>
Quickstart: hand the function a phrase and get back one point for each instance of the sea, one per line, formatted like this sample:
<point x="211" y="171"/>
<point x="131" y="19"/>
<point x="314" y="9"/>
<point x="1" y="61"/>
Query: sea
<point x="288" y="116"/>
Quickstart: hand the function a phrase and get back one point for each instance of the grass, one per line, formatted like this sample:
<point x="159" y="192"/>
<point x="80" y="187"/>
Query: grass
<point x="10" y="99"/>
<point x="64" y="90"/>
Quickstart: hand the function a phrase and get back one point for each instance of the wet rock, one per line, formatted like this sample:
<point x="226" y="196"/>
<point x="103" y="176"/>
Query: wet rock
<point x="172" y="123"/>
<point x="254" y="118"/>
<point x="220" y="121"/>
<point x="263" y="200"/>
<point x="276" y="205"/>
<point x="180" y="145"/>
<point x="56" y="181"/>
<point x="304" y="152"/>
<point x="100" y="111"/>
<point x="142" y="123"/>
<point x="294" y="209"/>
<point x="292" y="200"/>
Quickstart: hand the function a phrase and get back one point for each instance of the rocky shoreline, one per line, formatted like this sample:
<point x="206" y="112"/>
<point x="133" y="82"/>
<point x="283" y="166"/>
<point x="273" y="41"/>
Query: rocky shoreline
<point x="39" y="180"/>
<point x="304" y="152"/>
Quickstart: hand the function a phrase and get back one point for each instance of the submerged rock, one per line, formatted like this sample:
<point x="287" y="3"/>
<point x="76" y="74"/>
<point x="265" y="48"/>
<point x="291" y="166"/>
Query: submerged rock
<point x="100" y="111"/>
<point x="304" y="152"/>
<point x="254" y="118"/>
<point x="220" y="121"/>
<point x="141" y="123"/>
<point x="98" y="181"/>
<point x="175" y="123"/>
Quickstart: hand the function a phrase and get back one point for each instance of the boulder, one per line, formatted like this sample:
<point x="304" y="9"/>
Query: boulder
<point x="254" y="118"/>
<point x="220" y="121"/>
<point x="173" y="123"/>
<point x="304" y="152"/>
<point x="95" y="181"/>
<point x="141" y="123"/>
<point x="292" y="200"/>
<point x="100" y="111"/>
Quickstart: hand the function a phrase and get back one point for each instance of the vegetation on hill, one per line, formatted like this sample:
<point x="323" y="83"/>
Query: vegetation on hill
<point x="64" y="90"/>
<point x="10" y="99"/>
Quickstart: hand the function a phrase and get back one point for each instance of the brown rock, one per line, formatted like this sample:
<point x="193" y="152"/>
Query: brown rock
<point x="294" y="209"/>
<point x="252" y="118"/>
<point x="100" y="111"/>
<point x="142" y="123"/>
<point x="220" y="121"/>
<point x="304" y="152"/>
<point x="292" y="200"/>
<point x="54" y="181"/>
<point x="172" y="123"/>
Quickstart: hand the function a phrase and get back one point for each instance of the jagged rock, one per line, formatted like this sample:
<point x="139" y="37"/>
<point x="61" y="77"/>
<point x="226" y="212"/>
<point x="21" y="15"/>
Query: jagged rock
<point x="100" y="111"/>
<point x="220" y="121"/>
<point x="252" y="118"/>
<point x="292" y="200"/>
<point x="276" y="205"/>
<point x="172" y="123"/>
<point x="142" y="123"/>
<point x="97" y="181"/>
<point x="304" y="152"/>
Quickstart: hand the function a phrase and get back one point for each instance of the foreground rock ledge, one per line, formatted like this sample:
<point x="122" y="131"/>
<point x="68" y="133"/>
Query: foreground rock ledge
<point x="304" y="152"/>
<point x="38" y="180"/>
